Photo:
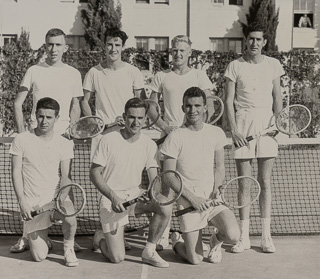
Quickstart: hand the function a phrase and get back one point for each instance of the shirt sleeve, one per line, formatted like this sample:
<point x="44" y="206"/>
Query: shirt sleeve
<point x="204" y="81"/>
<point x="156" y="83"/>
<point x="151" y="156"/>
<point x="67" y="150"/>
<point x="171" y="146"/>
<point x="88" y="83"/>
<point x="16" y="147"/>
<point x="27" y="80"/>
<point x="231" y="72"/>
<point x="138" y="80"/>
<point x="222" y="142"/>
<point x="78" y="91"/>
<point x="277" y="69"/>
<point x="101" y="153"/>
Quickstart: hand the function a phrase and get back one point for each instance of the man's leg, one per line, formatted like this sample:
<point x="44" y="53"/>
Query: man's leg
<point x="69" y="228"/>
<point x="265" y="166"/>
<point x="158" y="223"/>
<point x="111" y="244"/>
<point x="189" y="246"/>
<point x="244" y="167"/>
<point x="38" y="244"/>
<point x="228" y="231"/>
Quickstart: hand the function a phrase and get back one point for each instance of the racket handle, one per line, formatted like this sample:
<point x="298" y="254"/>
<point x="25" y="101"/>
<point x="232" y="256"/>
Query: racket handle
<point x="161" y="140"/>
<point x="34" y="213"/>
<point x="184" y="211"/>
<point x="131" y="202"/>
<point x="250" y="138"/>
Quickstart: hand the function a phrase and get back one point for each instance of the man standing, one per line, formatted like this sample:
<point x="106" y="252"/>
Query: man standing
<point x="38" y="156"/>
<point x="54" y="79"/>
<point x="253" y="95"/>
<point x="117" y="164"/>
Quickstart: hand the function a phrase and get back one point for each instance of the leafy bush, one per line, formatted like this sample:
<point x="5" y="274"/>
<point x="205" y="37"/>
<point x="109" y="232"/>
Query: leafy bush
<point x="302" y="69"/>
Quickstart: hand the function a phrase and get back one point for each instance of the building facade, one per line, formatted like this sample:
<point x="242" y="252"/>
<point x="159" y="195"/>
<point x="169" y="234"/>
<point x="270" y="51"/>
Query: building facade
<point x="151" y="24"/>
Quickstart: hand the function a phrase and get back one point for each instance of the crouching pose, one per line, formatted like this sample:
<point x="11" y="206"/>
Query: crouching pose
<point x="37" y="158"/>
<point x="196" y="152"/>
<point x="116" y="169"/>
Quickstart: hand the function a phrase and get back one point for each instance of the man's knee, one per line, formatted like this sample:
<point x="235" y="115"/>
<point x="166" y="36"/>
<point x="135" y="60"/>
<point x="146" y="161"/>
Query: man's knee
<point x="195" y="259"/>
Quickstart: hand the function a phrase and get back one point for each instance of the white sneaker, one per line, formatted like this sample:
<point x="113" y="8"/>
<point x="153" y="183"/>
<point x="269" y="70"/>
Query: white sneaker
<point x="267" y="245"/>
<point x="241" y="246"/>
<point x="153" y="258"/>
<point x="70" y="258"/>
<point x="98" y="235"/>
<point x="215" y="254"/>
<point x="175" y="238"/>
<point x="21" y="245"/>
<point x="162" y="243"/>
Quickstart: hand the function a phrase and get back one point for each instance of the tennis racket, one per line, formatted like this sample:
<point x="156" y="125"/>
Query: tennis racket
<point x="165" y="189"/>
<point x="239" y="192"/>
<point x="86" y="127"/>
<point x="291" y="120"/>
<point x="148" y="122"/>
<point x="74" y="192"/>
<point x="211" y="116"/>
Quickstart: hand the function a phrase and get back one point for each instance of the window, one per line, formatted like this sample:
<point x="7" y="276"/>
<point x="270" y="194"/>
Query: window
<point x="76" y="41"/>
<point x="161" y="2"/>
<point x="303" y="13"/>
<point x="161" y="44"/>
<point x="6" y="39"/>
<point x="303" y="5"/>
<point x="142" y="42"/>
<point x="143" y="1"/>
<point x="236" y="2"/>
<point x="217" y="2"/>
<point x="226" y="44"/>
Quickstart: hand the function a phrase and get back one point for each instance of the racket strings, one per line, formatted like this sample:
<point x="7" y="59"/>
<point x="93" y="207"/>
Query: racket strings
<point x="215" y="109"/>
<point x="166" y="188"/>
<point x="87" y="127"/>
<point x="293" y="119"/>
<point x="70" y="200"/>
<point x="241" y="192"/>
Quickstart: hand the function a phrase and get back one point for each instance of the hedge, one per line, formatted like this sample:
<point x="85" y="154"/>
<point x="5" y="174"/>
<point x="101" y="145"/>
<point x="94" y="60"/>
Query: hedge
<point x="302" y="68"/>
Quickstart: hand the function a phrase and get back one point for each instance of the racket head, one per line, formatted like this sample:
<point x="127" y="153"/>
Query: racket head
<point x="166" y="188"/>
<point x="70" y="200"/>
<point x="293" y="119"/>
<point x="240" y="192"/>
<point x="211" y="117"/>
<point x="86" y="127"/>
<point x="156" y="108"/>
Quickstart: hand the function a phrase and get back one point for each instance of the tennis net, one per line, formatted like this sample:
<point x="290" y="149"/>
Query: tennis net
<point x="295" y="182"/>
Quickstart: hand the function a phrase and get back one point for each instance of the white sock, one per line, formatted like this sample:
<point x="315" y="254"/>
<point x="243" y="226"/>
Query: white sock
<point x="265" y="222"/>
<point x="244" y="228"/>
<point x="24" y="233"/>
<point x="68" y="244"/>
<point x="150" y="246"/>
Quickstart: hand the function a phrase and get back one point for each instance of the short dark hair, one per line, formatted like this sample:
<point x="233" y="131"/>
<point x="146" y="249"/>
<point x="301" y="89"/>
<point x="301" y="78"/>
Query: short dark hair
<point x="116" y="33"/>
<point x="194" y="92"/>
<point x="54" y="32"/>
<point x="254" y="27"/>
<point x="48" y="103"/>
<point x="135" y="103"/>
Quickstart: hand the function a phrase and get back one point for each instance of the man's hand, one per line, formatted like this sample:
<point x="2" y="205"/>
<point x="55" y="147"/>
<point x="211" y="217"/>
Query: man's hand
<point x="25" y="211"/>
<point x="238" y="139"/>
<point x="120" y="121"/>
<point x="200" y="204"/>
<point x="117" y="204"/>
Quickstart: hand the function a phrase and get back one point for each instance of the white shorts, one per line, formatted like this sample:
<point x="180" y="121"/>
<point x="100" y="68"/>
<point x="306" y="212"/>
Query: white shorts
<point x="111" y="220"/>
<point x="250" y="122"/>
<point x="196" y="220"/>
<point x="44" y="220"/>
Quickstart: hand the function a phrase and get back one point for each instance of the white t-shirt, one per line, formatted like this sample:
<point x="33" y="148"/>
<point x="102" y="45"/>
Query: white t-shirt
<point x="194" y="151"/>
<point x="60" y="83"/>
<point x="173" y="86"/>
<point x="123" y="161"/>
<point x="40" y="164"/>
<point x="113" y="89"/>
<point x="254" y="82"/>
